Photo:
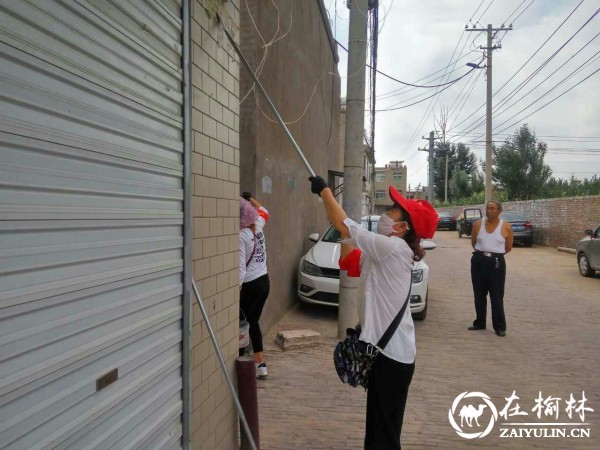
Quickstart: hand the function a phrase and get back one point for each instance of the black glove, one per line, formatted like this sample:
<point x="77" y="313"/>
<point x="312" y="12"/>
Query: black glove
<point x="246" y="195"/>
<point x="317" y="184"/>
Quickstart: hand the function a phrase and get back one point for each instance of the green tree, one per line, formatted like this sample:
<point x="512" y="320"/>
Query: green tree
<point x="459" y="185"/>
<point x="571" y="188"/>
<point x="460" y="159"/>
<point x="519" y="166"/>
<point x="477" y="183"/>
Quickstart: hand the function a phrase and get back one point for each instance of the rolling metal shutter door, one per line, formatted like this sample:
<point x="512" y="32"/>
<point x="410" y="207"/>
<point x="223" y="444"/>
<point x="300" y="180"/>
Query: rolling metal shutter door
<point x="91" y="223"/>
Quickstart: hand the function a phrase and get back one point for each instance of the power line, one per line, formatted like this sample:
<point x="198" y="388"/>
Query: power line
<point x="404" y="90"/>
<point x="426" y="98"/>
<point x="554" y="99"/>
<point x="483" y="13"/>
<point x="410" y="84"/>
<point x="519" y="70"/>
<point x="570" y="75"/>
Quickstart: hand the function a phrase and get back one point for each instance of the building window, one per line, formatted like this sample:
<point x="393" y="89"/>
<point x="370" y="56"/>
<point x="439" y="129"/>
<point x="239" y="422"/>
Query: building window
<point x="380" y="194"/>
<point x="380" y="177"/>
<point x="397" y="176"/>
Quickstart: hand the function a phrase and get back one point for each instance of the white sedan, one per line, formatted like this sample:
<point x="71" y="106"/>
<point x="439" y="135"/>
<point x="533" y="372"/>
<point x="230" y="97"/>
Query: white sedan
<point x="319" y="272"/>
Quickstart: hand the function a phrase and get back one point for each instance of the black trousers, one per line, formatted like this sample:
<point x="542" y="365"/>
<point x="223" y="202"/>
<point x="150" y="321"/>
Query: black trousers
<point x="488" y="274"/>
<point x="386" y="398"/>
<point x="252" y="300"/>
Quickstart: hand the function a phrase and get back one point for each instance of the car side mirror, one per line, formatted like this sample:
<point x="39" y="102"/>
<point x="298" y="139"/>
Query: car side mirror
<point x="589" y="233"/>
<point x="313" y="237"/>
<point x="428" y="245"/>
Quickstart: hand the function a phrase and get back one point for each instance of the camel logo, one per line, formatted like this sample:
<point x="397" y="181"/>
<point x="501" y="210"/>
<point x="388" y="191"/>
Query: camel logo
<point x="470" y="414"/>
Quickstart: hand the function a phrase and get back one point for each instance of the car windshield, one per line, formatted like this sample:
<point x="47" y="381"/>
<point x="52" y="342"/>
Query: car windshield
<point x="473" y="214"/>
<point x="512" y="217"/>
<point x="332" y="235"/>
<point x="444" y="214"/>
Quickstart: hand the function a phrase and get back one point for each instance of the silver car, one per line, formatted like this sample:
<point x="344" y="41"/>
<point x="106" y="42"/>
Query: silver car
<point x="588" y="253"/>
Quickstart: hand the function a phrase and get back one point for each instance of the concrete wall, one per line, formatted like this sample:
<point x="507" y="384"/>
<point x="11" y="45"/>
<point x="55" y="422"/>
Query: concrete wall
<point x="296" y="67"/>
<point x="215" y="208"/>
<point x="557" y="222"/>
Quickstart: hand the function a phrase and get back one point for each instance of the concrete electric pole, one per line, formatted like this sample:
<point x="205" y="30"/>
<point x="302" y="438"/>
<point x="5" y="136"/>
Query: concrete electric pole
<point x="431" y="162"/>
<point x="353" y="152"/>
<point x="488" y="111"/>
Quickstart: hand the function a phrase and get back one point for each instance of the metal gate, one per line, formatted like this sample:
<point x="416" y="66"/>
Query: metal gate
<point x="91" y="224"/>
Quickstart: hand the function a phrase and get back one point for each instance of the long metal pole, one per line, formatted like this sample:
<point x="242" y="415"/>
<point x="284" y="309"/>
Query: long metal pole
<point x="488" y="120"/>
<point x="224" y="367"/>
<point x="354" y="149"/>
<point x="273" y="108"/>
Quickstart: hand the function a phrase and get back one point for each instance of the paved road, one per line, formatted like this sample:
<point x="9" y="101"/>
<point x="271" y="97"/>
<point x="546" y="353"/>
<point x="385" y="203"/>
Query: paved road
<point x="553" y="337"/>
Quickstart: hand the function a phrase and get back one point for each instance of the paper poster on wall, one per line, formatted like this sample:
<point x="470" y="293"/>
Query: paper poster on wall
<point x="266" y="185"/>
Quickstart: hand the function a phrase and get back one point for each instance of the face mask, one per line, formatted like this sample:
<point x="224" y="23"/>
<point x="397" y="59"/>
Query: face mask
<point x="385" y="225"/>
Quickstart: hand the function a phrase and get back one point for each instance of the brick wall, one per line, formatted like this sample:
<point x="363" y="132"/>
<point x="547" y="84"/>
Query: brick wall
<point x="215" y="210"/>
<point x="557" y="222"/>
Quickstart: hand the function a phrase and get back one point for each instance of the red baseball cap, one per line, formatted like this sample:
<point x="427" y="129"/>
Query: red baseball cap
<point x="422" y="214"/>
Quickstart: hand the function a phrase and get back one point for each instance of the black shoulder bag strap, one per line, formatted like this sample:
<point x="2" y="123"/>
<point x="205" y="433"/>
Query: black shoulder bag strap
<point x="253" y="251"/>
<point x="394" y="325"/>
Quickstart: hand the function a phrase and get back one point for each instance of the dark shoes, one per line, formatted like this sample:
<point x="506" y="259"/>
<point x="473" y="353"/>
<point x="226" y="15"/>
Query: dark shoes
<point x="500" y="333"/>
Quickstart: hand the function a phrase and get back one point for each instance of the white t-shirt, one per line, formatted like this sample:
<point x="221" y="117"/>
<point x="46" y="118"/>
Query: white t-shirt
<point x="386" y="276"/>
<point x="256" y="262"/>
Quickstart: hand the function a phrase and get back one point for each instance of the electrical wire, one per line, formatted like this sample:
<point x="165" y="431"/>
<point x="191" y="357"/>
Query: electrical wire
<point x="482" y="2"/>
<point x="511" y="94"/>
<point x="432" y="103"/>
<point x="546" y="104"/>
<point x="483" y="13"/>
<point x="411" y="84"/>
<point x="520" y="68"/>
<point x="404" y="90"/>
<point x="561" y="67"/>
<point x="426" y="98"/>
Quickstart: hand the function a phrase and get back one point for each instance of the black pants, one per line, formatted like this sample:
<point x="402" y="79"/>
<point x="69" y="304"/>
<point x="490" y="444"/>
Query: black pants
<point x="488" y="274"/>
<point x="252" y="300"/>
<point x="386" y="398"/>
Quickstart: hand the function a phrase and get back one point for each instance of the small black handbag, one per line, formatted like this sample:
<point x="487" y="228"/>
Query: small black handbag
<point x="354" y="358"/>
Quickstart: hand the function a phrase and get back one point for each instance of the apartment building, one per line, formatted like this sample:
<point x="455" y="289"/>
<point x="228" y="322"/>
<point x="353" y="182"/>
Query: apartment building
<point x="392" y="174"/>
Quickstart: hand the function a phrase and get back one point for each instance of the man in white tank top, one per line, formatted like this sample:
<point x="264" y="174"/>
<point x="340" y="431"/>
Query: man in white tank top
<point x="491" y="239"/>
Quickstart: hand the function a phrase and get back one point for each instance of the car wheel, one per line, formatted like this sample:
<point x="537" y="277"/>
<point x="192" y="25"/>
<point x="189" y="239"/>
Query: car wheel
<point x="421" y="315"/>
<point x="584" y="266"/>
<point x="528" y="243"/>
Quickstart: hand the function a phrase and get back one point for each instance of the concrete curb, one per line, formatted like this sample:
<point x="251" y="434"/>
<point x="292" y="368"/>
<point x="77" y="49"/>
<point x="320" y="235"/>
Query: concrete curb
<point x="566" y="250"/>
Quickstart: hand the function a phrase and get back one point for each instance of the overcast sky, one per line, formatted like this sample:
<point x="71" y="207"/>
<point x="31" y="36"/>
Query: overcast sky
<point x="418" y="37"/>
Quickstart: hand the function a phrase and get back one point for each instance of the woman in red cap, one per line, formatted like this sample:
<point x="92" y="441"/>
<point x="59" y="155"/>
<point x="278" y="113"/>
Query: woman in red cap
<point x="385" y="260"/>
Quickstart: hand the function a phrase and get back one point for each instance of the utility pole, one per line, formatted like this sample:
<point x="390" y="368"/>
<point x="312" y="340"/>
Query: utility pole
<point x="488" y="112"/>
<point x="431" y="161"/>
<point x="353" y="152"/>
<point x="446" y="186"/>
